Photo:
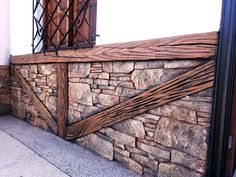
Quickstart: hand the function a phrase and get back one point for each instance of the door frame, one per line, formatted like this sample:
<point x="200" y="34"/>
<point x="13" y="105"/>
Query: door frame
<point x="225" y="68"/>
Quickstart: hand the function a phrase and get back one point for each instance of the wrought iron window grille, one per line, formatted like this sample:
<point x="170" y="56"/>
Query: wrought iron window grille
<point x="63" y="24"/>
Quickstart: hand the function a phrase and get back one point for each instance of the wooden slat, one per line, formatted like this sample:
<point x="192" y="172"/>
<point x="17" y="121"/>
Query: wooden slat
<point x="191" y="82"/>
<point x="40" y="106"/>
<point x="186" y="46"/>
<point x="62" y="101"/>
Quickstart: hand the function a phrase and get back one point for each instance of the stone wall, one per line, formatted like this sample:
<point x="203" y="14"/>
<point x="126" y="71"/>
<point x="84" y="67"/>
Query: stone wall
<point x="171" y="139"/>
<point x="43" y="80"/>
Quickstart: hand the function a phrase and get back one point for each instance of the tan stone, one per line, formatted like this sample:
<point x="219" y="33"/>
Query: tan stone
<point x="32" y="110"/>
<point x="129" y="162"/>
<point x="97" y="144"/>
<point x="101" y="82"/>
<point x="169" y="74"/>
<point x="79" y="69"/>
<point x="154" y="150"/>
<point x="104" y="99"/>
<point x="122" y="151"/>
<point x="131" y="127"/>
<point x="145" y="161"/>
<point x="40" y="123"/>
<point x="149" y="64"/>
<point x="19" y="109"/>
<point x="188" y="161"/>
<point x="144" y="79"/>
<point x="118" y="67"/>
<point x="51" y="102"/>
<point x="171" y="170"/>
<point x="87" y="110"/>
<point x="46" y="69"/>
<point x="119" y="137"/>
<point x="33" y="69"/>
<point x="191" y="139"/>
<point x="24" y="72"/>
<point x="179" y="113"/>
<point x="136" y="151"/>
<point x="80" y="93"/>
<point x="52" y="81"/>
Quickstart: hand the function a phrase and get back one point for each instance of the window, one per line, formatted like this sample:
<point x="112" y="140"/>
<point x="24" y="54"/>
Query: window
<point x="63" y="24"/>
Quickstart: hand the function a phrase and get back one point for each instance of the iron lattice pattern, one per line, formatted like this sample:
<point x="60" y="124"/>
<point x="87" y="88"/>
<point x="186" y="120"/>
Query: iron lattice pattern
<point x="63" y="24"/>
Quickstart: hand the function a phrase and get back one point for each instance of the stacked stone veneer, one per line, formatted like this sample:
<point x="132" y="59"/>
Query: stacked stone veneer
<point x="43" y="80"/>
<point x="171" y="140"/>
<point x="4" y="85"/>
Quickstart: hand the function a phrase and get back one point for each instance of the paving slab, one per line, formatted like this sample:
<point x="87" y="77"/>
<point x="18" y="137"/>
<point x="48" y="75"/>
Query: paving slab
<point x="67" y="157"/>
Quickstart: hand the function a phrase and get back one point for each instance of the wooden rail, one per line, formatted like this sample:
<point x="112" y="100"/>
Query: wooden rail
<point x="186" y="46"/>
<point x="191" y="82"/>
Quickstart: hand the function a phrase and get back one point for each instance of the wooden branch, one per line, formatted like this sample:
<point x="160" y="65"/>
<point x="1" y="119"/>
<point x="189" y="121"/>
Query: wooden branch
<point x="186" y="46"/>
<point x="62" y="101"/>
<point x="40" y="106"/>
<point x="191" y="82"/>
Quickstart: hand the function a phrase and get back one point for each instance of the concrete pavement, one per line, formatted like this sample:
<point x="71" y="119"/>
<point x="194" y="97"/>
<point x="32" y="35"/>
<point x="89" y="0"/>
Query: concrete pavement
<point x="27" y="151"/>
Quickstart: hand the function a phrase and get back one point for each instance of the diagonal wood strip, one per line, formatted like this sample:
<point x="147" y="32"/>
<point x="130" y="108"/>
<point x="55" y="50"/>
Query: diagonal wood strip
<point x="191" y="82"/>
<point x="40" y="106"/>
<point x="189" y="46"/>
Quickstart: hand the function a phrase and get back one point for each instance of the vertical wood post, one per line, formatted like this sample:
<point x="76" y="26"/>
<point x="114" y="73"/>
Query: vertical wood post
<point x="62" y="101"/>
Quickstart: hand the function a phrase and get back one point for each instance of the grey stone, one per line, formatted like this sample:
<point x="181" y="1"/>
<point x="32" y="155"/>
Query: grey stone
<point x="119" y="137"/>
<point x="122" y="151"/>
<point x="179" y="113"/>
<point x="188" y="161"/>
<point x="118" y="67"/>
<point x="149" y="64"/>
<point x="191" y="139"/>
<point x="131" y="127"/>
<point x="154" y="150"/>
<point x="136" y="151"/>
<point x="104" y="99"/>
<point x="145" y="161"/>
<point x="73" y="116"/>
<point x="80" y="93"/>
<point x="52" y="80"/>
<point x="51" y="102"/>
<point x="87" y="110"/>
<point x="129" y="162"/>
<point x="144" y="79"/>
<point x="182" y="63"/>
<point x="172" y="74"/>
<point x="97" y="144"/>
<point x="170" y="170"/>
<point x="99" y="75"/>
<point x="79" y="69"/>
<point x="101" y="82"/>
<point x="194" y="105"/>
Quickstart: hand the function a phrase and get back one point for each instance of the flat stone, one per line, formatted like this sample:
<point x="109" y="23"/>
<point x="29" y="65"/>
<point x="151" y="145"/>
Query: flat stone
<point x="154" y="150"/>
<point x="144" y="79"/>
<point x="188" y="161"/>
<point x="129" y="162"/>
<point x="80" y="93"/>
<point x="51" y="102"/>
<point x="97" y="144"/>
<point x="182" y="63"/>
<point x="136" y="151"/>
<point x="86" y="111"/>
<point x="79" y="69"/>
<point x="24" y="72"/>
<point x="46" y="69"/>
<point x="170" y="170"/>
<point x="104" y="99"/>
<point x="118" y="67"/>
<point x="194" y="105"/>
<point x="119" y="137"/>
<point x="131" y="127"/>
<point x="170" y="74"/>
<point x="73" y="116"/>
<point x="101" y="82"/>
<point x="32" y="110"/>
<point x="145" y="161"/>
<point x="176" y="112"/>
<point x="52" y="81"/>
<point x="189" y="138"/>
<point x="33" y="69"/>
<point x="99" y="75"/>
<point x="149" y="64"/>
<point x="122" y="151"/>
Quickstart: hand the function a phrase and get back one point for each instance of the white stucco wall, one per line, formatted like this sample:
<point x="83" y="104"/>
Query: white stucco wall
<point x="4" y="32"/>
<point x="128" y="20"/>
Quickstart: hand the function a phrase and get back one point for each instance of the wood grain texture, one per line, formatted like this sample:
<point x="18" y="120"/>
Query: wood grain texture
<point x="191" y="82"/>
<point x="186" y="46"/>
<point x="4" y="71"/>
<point x="40" y="106"/>
<point x="62" y="101"/>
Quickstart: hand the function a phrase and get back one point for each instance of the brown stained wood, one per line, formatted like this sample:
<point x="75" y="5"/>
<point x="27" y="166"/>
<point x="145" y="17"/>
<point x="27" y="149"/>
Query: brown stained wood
<point x="4" y="71"/>
<point x="186" y="46"/>
<point x="40" y="106"/>
<point x="191" y="82"/>
<point x="62" y="101"/>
